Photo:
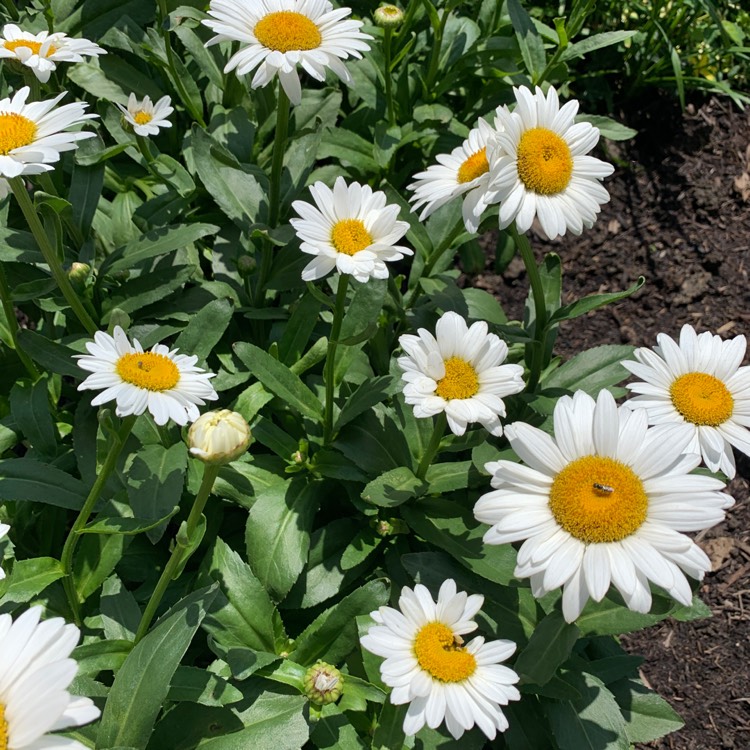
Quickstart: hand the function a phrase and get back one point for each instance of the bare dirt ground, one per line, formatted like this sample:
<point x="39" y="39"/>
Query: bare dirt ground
<point x="680" y="216"/>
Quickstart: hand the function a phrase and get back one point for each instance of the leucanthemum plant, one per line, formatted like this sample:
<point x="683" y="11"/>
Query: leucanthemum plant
<point x="147" y="117"/>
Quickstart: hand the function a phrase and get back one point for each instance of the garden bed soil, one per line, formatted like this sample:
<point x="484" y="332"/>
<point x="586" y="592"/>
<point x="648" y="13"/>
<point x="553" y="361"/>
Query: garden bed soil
<point x="680" y="216"/>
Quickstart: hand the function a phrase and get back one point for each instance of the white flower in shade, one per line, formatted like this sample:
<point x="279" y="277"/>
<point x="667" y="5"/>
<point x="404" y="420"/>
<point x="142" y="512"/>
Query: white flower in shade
<point x="41" y="52"/>
<point x="276" y="36"/>
<point x="540" y="166"/>
<point x="219" y="437"/>
<point x="699" y="383"/>
<point x="349" y="228"/>
<point x="459" y="371"/>
<point x="145" y="117"/>
<point x="465" y="171"/>
<point x="602" y="502"/>
<point x="4" y="529"/>
<point x="165" y="383"/>
<point x="35" y="673"/>
<point x="31" y="134"/>
<point x="430" y="667"/>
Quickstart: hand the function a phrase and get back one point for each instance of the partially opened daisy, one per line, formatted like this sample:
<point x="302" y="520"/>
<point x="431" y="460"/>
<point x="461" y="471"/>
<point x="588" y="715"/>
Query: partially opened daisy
<point x="35" y="673"/>
<point x="33" y="134"/>
<point x="41" y="52"/>
<point x="459" y="371"/>
<point x="349" y="228"/>
<point x="147" y="117"/>
<point x="602" y="503"/>
<point x="276" y="36"/>
<point x="165" y="383"/>
<point x="540" y="166"/>
<point x="430" y="667"/>
<point x="465" y="171"/>
<point x="697" y="382"/>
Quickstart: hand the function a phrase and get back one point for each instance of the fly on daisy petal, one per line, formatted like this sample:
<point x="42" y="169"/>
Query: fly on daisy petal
<point x="161" y="381"/>
<point x="697" y="382"/>
<point x="429" y="665"/>
<point x="602" y="503"/>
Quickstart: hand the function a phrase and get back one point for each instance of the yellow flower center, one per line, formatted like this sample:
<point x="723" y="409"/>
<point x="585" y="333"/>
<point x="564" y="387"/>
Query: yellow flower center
<point x="440" y="654"/>
<point x="142" y="117"/>
<point x="598" y="499"/>
<point x="349" y="236"/>
<point x="15" y="131"/>
<point x="702" y="399"/>
<point x="286" y="30"/>
<point x="544" y="161"/>
<point x="14" y="44"/>
<point x="3" y="729"/>
<point x="475" y="166"/>
<point x="460" y="380"/>
<point x="154" y="372"/>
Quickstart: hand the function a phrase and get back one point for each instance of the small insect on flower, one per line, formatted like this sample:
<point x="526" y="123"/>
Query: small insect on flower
<point x="603" y="488"/>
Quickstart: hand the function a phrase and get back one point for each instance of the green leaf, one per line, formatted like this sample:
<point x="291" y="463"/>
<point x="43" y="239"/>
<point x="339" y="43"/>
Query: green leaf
<point x="529" y="40"/>
<point x="29" y="405"/>
<point x="278" y="379"/>
<point x="28" y="578"/>
<point x="101" y="656"/>
<point x="611" y="617"/>
<point x="369" y="393"/>
<point x="125" y="525"/>
<point x="592" y="370"/>
<point x="609" y="128"/>
<point x="205" y="329"/>
<point x="95" y="559"/>
<point x="593" y="302"/>
<point x="348" y="148"/>
<point x="23" y="479"/>
<point x="549" y="646"/>
<point x="363" y="310"/>
<point x="389" y="732"/>
<point x="85" y="190"/>
<point x="595" y="41"/>
<point x="647" y="715"/>
<point x="199" y="686"/>
<point x="277" y="534"/>
<point x="298" y="330"/>
<point x="121" y="615"/>
<point x="393" y="488"/>
<point x="484" y="306"/>
<point x="457" y="475"/>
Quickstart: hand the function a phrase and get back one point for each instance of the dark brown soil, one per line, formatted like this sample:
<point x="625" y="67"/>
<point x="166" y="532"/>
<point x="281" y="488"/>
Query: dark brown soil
<point x="680" y="216"/>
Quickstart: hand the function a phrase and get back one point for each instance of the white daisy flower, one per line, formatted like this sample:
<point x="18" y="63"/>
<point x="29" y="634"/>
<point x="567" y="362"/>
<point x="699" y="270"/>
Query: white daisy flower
<point x="276" y="36"/>
<point x="35" y="672"/>
<point x="31" y="134"/>
<point x="540" y="166"/>
<point x="145" y="117"/>
<point x="465" y="171"/>
<point x="41" y="52"/>
<point x="429" y="666"/>
<point x="698" y="382"/>
<point x="459" y="371"/>
<point x="602" y="503"/>
<point x="350" y="228"/>
<point x="165" y="383"/>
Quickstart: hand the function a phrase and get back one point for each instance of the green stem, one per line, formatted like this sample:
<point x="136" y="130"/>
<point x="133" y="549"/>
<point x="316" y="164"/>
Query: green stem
<point x="66" y="559"/>
<point x="50" y="255"/>
<point x="10" y="318"/>
<point x="540" y="310"/>
<point x="181" y="551"/>
<point x="433" y="446"/>
<point x="10" y="6"/>
<point x="387" y="36"/>
<point x="330" y="366"/>
<point x="436" y="48"/>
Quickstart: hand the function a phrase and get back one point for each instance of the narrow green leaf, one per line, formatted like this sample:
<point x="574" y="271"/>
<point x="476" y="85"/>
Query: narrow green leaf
<point x="369" y="393"/>
<point x="593" y="302"/>
<point x="205" y="329"/>
<point x="549" y="646"/>
<point x="51" y="355"/>
<point x="592" y="370"/>
<point x="647" y="715"/>
<point x="23" y="479"/>
<point x="29" y="405"/>
<point x="28" y="578"/>
<point x="529" y="40"/>
<point x="199" y="686"/>
<point x="595" y="41"/>
<point x="126" y="526"/>
<point x="609" y="128"/>
<point x="393" y="488"/>
<point x="121" y="614"/>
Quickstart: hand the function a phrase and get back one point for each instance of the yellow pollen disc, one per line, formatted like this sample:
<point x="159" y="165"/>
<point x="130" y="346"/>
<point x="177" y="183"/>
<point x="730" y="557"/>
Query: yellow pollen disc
<point x="286" y="30"/>
<point x="702" y="399"/>
<point x="544" y="161"/>
<point x="3" y="729"/>
<point x="142" y="117"/>
<point x="32" y="45"/>
<point x="154" y="372"/>
<point x="460" y="380"/>
<point x="598" y="499"/>
<point x="475" y="166"/>
<point x="349" y="236"/>
<point x="440" y="654"/>
<point x="15" y="131"/>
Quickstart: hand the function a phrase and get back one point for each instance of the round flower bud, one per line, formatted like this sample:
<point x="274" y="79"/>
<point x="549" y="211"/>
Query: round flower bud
<point x="219" y="437"/>
<point x="246" y="265"/>
<point x="78" y="274"/>
<point x="323" y="683"/>
<point x="388" y="16"/>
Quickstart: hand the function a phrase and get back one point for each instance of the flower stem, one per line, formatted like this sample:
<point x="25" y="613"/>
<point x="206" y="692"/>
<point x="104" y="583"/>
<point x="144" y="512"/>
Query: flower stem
<point x="50" y="255"/>
<point x="387" y="36"/>
<point x="540" y="310"/>
<point x="182" y="550"/>
<point x="436" y="49"/>
<point x="330" y="366"/>
<point x="10" y="6"/>
<point x="71" y="542"/>
<point x="434" y="445"/>
<point x="10" y="319"/>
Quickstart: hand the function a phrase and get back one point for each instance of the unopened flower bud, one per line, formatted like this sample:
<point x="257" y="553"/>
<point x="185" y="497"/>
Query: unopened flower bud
<point x="78" y="274"/>
<point x="388" y="16"/>
<point x="219" y="437"/>
<point x="323" y="683"/>
<point x="246" y="265"/>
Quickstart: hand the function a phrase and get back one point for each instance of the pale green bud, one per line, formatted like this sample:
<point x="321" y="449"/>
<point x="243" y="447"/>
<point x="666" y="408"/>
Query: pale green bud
<point x="388" y="16"/>
<point x="219" y="437"/>
<point x="323" y="683"/>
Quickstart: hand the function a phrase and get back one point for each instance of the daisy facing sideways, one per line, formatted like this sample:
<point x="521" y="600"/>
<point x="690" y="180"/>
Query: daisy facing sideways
<point x="147" y="117"/>
<point x="36" y="673"/>
<point x="351" y="229"/>
<point x="540" y="166"/>
<point x="277" y="36"/>
<point x="41" y="52"/>
<point x="602" y="503"/>
<point x="165" y="383"/>
<point x="430" y="666"/>
<point x="697" y="382"/>
<point x="33" y="134"/>
<point x="458" y="371"/>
